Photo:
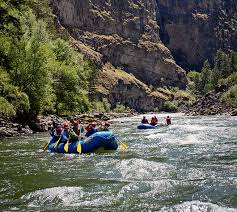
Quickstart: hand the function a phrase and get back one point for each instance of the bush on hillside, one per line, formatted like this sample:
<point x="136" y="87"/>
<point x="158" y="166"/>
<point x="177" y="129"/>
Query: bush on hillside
<point x="6" y="109"/>
<point x="45" y="74"/>
<point x="170" y="106"/>
<point x="230" y="81"/>
<point x="121" y="109"/>
<point x="230" y="97"/>
<point x="13" y="99"/>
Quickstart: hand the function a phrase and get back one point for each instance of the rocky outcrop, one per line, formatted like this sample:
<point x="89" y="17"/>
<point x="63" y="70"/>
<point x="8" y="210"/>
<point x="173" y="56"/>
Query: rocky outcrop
<point x="211" y="104"/>
<point x="10" y="129"/>
<point x="195" y="30"/>
<point x="126" y="33"/>
<point x="43" y="123"/>
<point x="122" y="88"/>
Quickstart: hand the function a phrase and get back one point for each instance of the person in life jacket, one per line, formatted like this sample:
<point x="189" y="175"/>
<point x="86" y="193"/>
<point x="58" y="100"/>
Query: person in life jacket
<point x="53" y="128"/>
<point x="153" y="121"/>
<point x="76" y="131"/>
<point x="144" y="120"/>
<point x="104" y="126"/>
<point x="65" y="134"/>
<point x="56" y="134"/>
<point x="91" y="129"/>
<point x="168" y="120"/>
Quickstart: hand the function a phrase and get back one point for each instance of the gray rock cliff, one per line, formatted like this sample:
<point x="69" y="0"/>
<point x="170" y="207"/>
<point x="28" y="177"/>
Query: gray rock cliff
<point x="126" y="33"/>
<point x="195" y="30"/>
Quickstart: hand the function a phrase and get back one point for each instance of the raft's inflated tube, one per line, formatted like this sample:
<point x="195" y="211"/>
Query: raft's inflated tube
<point x="146" y="126"/>
<point x="104" y="140"/>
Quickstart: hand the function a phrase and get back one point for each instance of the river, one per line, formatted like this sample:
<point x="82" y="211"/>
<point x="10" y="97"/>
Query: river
<point x="188" y="166"/>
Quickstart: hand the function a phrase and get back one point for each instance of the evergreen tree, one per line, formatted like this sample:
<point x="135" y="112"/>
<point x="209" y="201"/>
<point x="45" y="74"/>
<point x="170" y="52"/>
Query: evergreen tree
<point x="223" y="64"/>
<point x="233" y="60"/>
<point x="205" y="85"/>
<point x="195" y="82"/>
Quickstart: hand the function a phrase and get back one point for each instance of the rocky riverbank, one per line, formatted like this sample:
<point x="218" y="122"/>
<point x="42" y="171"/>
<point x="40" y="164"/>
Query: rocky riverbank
<point x="211" y="104"/>
<point x="10" y="129"/>
<point x="44" y="123"/>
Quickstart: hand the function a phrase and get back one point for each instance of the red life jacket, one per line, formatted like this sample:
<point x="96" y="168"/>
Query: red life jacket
<point x="153" y="121"/>
<point x="87" y="127"/>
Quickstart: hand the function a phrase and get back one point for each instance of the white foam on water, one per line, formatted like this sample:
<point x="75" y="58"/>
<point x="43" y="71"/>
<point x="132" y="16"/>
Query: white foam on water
<point x="146" y="189"/>
<point x="192" y="127"/>
<point x="191" y="139"/>
<point x="187" y="139"/>
<point x="157" y="135"/>
<point x="59" y="197"/>
<point x="53" y="196"/>
<point x="141" y="169"/>
<point x="102" y="200"/>
<point x="197" y="206"/>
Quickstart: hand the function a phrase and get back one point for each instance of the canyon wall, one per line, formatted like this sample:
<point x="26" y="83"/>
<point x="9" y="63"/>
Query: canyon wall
<point x="194" y="30"/>
<point x="154" y="40"/>
<point x="126" y="33"/>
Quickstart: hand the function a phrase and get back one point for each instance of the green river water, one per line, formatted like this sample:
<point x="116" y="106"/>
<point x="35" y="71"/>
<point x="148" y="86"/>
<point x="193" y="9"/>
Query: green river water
<point x="188" y="166"/>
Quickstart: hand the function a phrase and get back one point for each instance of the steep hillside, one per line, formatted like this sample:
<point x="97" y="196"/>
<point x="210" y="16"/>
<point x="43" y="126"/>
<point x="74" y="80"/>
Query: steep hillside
<point x="122" y="88"/>
<point x="126" y="33"/>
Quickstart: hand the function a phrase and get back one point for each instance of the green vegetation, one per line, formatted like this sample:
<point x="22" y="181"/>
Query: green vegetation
<point x="39" y="71"/>
<point x="175" y="98"/>
<point x="230" y="97"/>
<point x="101" y="106"/>
<point x="170" y="106"/>
<point x="225" y="65"/>
<point x="224" y="72"/>
<point x="121" y="109"/>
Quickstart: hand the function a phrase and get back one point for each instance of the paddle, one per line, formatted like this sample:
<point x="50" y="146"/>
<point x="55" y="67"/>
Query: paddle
<point x="123" y="145"/>
<point x="46" y="146"/>
<point x="66" y="146"/>
<point x="79" y="148"/>
<point x="56" y="143"/>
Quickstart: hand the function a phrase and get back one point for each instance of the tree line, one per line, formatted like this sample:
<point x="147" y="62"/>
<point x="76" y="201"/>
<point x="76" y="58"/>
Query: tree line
<point x="223" y="72"/>
<point x="39" y="71"/>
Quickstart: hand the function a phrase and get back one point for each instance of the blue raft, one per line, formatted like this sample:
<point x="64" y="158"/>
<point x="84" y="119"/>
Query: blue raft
<point x="103" y="141"/>
<point x="146" y="126"/>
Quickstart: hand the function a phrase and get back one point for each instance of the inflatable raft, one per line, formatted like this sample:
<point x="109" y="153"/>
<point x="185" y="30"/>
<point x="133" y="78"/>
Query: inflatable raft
<point x="146" y="126"/>
<point x="100" y="142"/>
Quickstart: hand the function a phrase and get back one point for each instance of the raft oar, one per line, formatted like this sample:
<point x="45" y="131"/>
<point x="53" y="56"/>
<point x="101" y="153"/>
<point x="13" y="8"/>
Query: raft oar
<point x="46" y="146"/>
<point x="79" y="148"/>
<point x="56" y="144"/>
<point x="66" y="146"/>
<point x="123" y="145"/>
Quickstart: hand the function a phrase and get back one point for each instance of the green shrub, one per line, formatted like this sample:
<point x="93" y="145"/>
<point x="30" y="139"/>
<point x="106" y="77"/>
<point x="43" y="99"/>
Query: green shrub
<point x="230" y="97"/>
<point x="98" y="106"/>
<point x="170" y="106"/>
<point x="101" y="106"/>
<point x="12" y="94"/>
<point x="231" y="80"/>
<point x="120" y="109"/>
<point x="6" y="109"/>
<point x="194" y="82"/>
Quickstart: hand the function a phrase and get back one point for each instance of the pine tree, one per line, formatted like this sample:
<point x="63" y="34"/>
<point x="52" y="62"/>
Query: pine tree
<point x="205" y="86"/>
